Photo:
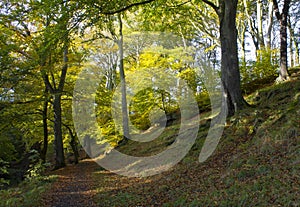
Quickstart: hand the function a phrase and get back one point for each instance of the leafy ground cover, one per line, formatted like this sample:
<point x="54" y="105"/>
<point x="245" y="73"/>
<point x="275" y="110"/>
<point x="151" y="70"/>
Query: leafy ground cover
<point x="257" y="162"/>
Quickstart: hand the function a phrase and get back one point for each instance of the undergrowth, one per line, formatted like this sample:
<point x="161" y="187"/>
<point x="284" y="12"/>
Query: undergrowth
<point x="27" y="193"/>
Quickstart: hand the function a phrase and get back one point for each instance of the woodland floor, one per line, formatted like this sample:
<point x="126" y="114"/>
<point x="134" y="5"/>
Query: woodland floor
<point x="256" y="164"/>
<point x="73" y="188"/>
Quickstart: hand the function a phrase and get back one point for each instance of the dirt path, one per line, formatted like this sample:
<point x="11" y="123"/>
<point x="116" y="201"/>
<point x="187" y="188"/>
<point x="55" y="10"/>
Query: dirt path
<point x="74" y="187"/>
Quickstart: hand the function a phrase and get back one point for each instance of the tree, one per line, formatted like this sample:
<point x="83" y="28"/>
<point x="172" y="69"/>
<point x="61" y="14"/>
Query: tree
<point x="230" y="74"/>
<point x="123" y="82"/>
<point x="282" y="17"/>
<point x="45" y="49"/>
<point x="294" y="32"/>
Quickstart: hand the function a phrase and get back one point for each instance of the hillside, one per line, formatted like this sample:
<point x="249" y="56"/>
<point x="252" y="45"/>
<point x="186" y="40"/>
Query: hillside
<point x="257" y="162"/>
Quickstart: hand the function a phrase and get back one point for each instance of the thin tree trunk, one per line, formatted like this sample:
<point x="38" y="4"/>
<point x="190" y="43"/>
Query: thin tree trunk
<point x="291" y="53"/>
<point x="242" y="42"/>
<point x="251" y="27"/>
<point x="123" y="86"/>
<point x="297" y="59"/>
<point x="74" y="147"/>
<point x="270" y="25"/>
<point x="260" y="34"/>
<point x="293" y="41"/>
<point x="73" y="144"/>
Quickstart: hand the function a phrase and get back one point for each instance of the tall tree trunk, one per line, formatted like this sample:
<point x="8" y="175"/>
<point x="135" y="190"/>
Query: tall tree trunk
<point x="260" y="35"/>
<point x="291" y="52"/>
<point x="45" y="127"/>
<point x="125" y="120"/>
<point x="270" y="25"/>
<point x="232" y="100"/>
<point x="230" y="74"/>
<point x="58" y="139"/>
<point x="293" y="41"/>
<point x="283" y="49"/>
<point x="56" y="94"/>
<point x="242" y="42"/>
<point x="282" y="18"/>
<point x="251" y="27"/>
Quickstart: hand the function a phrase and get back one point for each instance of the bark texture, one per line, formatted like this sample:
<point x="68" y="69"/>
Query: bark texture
<point x="282" y="18"/>
<point x="230" y="73"/>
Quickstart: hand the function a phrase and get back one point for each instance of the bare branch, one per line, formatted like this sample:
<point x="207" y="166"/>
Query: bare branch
<point x="127" y="7"/>
<point x="212" y="5"/>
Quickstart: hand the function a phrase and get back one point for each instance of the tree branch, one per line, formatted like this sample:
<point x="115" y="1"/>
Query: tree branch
<point x="212" y="5"/>
<point x="47" y="82"/>
<point x="128" y="7"/>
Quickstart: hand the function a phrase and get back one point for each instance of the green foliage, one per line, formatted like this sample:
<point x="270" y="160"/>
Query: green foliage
<point x="203" y="101"/>
<point x="36" y="167"/>
<point x="261" y="73"/>
<point x="3" y="172"/>
<point x="140" y="107"/>
<point x="7" y="149"/>
<point x="104" y="116"/>
<point x="26" y="194"/>
<point x="190" y="76"/>
<point x="266" y="66"/>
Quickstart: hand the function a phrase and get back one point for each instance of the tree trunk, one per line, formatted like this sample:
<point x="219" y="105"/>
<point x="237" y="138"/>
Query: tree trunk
<point x="291" y="53"/>
<point x="45" y="127"/>
<point x="58" y="139"/>
<point x="283" y="49"/>
<point x="260" y="35"/>
<point x="230" y="74"/>
<point x="270" y="25"/>
<point x="252" y="30"/>
<point x="125" y="120"/>
<point x="282" y="18"/>
<point x="297" y="51"/>
<point x="293" y="41"/>
<point x="242" y="37"/>
<point x="74" y="146"/>
<point x="56" y="93"/>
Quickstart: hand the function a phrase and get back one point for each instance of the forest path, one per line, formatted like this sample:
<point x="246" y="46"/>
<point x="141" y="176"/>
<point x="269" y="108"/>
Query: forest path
<point x="74" y="187"/>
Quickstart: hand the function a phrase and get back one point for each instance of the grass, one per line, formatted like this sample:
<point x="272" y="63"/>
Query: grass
<point x="27" y="193"/>
<point x="257" y="162"/>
